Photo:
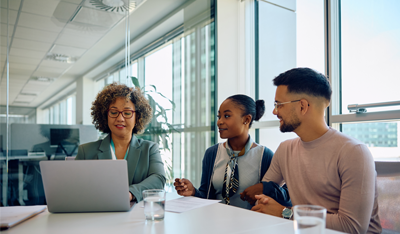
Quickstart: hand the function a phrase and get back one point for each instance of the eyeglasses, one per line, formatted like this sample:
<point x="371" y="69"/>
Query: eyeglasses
<point x="276" y="104"/>
<point x="127" y="114"/>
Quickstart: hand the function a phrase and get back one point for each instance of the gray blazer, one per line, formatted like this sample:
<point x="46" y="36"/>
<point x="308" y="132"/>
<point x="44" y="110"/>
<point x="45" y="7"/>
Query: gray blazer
<point x="145" y="167"/>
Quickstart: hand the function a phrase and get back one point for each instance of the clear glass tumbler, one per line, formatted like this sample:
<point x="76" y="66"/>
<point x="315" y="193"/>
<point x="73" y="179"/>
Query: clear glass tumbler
<point x="154" y="204"/>
<point x="309" y="219"/>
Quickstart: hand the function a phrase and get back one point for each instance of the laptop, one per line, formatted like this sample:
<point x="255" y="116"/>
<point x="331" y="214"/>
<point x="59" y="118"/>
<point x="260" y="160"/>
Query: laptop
<point x="86" y="185"/>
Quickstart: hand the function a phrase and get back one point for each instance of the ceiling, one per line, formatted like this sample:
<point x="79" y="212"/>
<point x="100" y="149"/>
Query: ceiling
<point x="54" y="42"/>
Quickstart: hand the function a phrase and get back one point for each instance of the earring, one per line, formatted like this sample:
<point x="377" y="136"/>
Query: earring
<point x="245" y="123"/>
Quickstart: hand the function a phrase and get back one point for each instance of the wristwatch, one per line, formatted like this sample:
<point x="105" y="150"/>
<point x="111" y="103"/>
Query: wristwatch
<point x="287" y="213"/>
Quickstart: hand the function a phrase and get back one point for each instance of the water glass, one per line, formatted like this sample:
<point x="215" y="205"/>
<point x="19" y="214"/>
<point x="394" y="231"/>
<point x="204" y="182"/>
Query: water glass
<point x="309" y="219"/>
<point x="154" y="204"/>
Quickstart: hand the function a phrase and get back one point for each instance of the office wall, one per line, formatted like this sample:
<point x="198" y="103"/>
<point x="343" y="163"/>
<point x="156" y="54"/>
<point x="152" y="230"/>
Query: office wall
<point x="233" y="41"/>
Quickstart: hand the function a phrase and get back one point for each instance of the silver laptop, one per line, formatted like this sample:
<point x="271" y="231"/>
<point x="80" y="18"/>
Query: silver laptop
<point x="86" y="185"/>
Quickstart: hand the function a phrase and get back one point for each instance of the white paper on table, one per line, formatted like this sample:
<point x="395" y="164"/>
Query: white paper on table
<point x="12" y="215"/>
<point x="183" y="204"/>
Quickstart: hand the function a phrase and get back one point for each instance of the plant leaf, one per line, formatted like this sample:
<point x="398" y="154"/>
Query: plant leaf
<point x="135" y="81"/>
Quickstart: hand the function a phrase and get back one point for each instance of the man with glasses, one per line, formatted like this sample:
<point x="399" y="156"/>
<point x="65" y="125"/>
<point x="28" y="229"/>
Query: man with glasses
<point x="322" y="166"/>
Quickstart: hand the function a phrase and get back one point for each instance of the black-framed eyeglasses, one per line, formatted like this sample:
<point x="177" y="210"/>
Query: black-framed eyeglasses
<point x="276" y="104"/>
<point x="127" y="114"/>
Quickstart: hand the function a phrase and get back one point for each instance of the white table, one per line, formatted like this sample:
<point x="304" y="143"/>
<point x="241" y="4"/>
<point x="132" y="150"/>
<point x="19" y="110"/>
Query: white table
<point x="216" y="218"/>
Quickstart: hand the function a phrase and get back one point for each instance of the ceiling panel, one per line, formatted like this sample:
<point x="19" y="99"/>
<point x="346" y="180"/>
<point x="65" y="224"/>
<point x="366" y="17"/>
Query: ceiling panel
<point x="51" y="70"/>
<point x="3" y="29"/>
<point x="24" y="98"/>
<point x="55" y="64"/>
<point x="20" y="72"/>
<point x="11" y="97"/>
<point x="68" y="50"/>
<point x="3" y="40"/>
<point x="15" y="103"/>
<point x="27" y="53"/>
<point x="31" y="45"/>
<point x="75" y="31"/>
<point x="39" y="22"/>
<point x="35" y="34"/>
<point x="73" y="1"/>
<point x="75" y="41"/>
<point x="33" y="89"/>
<point x="24" y="60"/>
<point x="17" y="83"/>
<point x="14" y="4"/>
<point x="40" y="7"/>
<point x="50" y="74"/>
<point x="11" y="17"/>
<point x="3" y="51"/>
<point x="14" y="90"/>
<point x="21" y="78"/>
<point x="18" y="66"/>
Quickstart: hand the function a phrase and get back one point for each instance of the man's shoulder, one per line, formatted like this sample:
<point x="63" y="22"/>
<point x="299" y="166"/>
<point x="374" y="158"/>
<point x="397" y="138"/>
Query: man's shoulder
<point x="345" y="140"/>
<point x="289" y="142"/>
<point x="286" y="147"/>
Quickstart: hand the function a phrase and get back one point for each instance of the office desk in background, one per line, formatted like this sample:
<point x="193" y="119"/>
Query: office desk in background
<point x="22" y="160"/>
<point x="216" y="218"/>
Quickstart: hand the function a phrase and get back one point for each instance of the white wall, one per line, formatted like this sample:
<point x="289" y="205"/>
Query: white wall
<point x="85" y="95"/>
<point x="235" y="38"/>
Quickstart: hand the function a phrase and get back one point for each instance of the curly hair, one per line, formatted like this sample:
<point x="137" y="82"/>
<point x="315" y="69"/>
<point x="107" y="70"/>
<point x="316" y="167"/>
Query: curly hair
<point x="109" y="94"/>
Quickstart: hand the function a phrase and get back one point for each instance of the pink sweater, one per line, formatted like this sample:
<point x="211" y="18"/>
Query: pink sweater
<point x="333" y="171"/>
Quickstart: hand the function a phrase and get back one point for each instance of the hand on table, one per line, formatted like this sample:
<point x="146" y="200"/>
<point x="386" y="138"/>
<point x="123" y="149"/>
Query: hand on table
<point x="249" y="193"/>
<point x="268" y="205"/>
<point x="184" y="187"/>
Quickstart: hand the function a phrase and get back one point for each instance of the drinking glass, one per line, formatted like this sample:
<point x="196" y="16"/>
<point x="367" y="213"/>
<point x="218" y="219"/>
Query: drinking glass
<point x="154" y="204"/>
<point x="309" y="219"/>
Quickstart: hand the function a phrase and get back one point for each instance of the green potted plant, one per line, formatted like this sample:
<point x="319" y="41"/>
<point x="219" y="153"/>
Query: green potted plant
<point x="158" y="130"/>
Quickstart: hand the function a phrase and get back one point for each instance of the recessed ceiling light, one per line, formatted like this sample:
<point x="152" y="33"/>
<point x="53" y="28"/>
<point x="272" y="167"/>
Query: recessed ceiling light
<point x="29" y="94"/>
<point x="21" y="103"/>
<point x="43" y="79"/>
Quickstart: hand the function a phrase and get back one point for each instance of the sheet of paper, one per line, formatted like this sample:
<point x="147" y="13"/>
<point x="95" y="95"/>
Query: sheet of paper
<point x="183" y="204"/>
<point x="12" y="215"/>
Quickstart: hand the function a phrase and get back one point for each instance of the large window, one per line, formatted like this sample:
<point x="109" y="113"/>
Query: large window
<point x="62" y="112"/>
<point x="290" y="35"/>
<point x="365" y="42"/>
<point x="178" y="77"/>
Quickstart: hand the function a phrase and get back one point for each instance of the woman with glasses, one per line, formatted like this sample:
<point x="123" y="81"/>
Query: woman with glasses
<point x="122" y="112"/>
<point x="232" y="166"/>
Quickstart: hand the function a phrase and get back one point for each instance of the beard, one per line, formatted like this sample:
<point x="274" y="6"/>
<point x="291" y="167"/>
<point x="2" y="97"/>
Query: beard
<point x="290" y="127"/>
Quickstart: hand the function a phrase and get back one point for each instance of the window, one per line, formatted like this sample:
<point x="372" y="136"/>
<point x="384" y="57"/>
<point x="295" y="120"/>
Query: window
<point x="365" y="42"/>
<point x="179" y="75"/>
<point x="297" y="41"/>
<point x="62" y="112"/>
<point x="370" y="53"/>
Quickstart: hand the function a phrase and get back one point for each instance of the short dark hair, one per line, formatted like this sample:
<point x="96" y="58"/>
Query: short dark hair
<point x="108" y="96"/>
<point x="305" y="80"/>
<point x="249" y="107"/>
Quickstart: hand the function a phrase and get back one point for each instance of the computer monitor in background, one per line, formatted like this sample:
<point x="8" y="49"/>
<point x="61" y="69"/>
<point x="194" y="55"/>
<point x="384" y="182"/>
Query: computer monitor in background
<point x="66" y="138"/>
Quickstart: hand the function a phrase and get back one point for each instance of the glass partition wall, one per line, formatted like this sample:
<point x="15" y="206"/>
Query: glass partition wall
<point x="57" y="55"/>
